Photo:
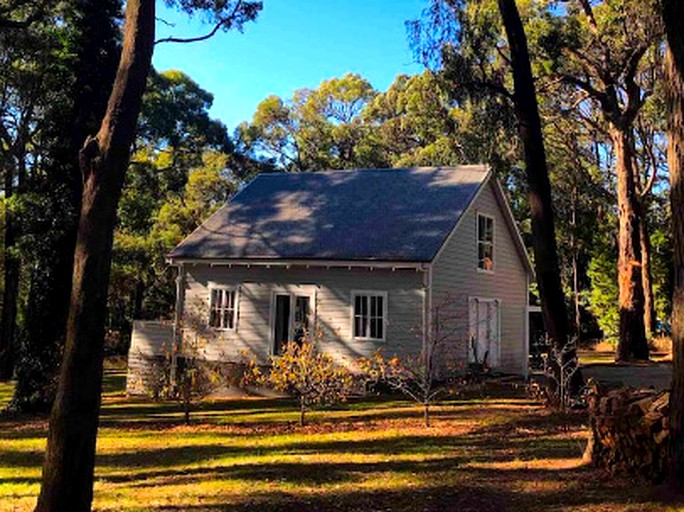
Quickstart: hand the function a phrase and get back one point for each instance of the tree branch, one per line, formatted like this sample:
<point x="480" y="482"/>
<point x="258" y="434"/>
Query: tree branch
<point x="222" y="23"/>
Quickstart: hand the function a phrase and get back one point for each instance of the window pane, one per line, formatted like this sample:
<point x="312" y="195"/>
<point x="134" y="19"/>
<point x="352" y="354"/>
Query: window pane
<point x="376" y="328"/>
<point x="231" y="309"/>
<point x="485" y="229"/>
<point x="488" y="256"/>
<point x="358" y="327"/>
<point x="489" y="229"/>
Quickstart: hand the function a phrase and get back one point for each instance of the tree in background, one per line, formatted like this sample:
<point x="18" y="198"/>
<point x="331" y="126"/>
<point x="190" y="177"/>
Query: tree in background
<point x="315" y="129"/>
<point x="601" y="54"/>
<point x="29" y="75"/>
<point x="345" y="123"/>
<point x="183" y="169"/>
<point x="477" y="45"/>
<point x="69" y="461"/>
<point x="85" y="59"/>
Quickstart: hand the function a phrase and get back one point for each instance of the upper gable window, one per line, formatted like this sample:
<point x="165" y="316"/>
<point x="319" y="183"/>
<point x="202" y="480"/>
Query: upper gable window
<point x="485" y="242"/>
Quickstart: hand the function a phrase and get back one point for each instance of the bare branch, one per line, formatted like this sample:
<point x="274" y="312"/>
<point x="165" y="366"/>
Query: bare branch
<point x="222" y="23"/>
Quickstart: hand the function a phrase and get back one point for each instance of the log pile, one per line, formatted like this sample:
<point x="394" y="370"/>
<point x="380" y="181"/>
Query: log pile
<point x="629" y="431"/>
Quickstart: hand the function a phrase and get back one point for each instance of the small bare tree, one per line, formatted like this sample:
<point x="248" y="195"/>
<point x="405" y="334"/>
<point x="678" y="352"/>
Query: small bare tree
<point x="184" y="374"/>
<point x="433" y="373"/>
<point x="560" y="365"/>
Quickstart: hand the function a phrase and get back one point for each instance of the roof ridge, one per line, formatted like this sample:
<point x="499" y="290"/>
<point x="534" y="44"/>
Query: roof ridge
<point x="470" y="167"/>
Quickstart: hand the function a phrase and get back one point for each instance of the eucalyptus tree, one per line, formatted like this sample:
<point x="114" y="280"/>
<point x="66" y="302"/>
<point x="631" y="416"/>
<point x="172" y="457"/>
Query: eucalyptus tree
<point x="603" y="56"/>
<point x="316" y="129"/>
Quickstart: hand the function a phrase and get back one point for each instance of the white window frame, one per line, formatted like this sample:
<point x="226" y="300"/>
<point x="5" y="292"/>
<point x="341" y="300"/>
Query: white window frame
<point x="225" y="288"/>
<point x="385" y="313"/>
<point x="478" y="242"/>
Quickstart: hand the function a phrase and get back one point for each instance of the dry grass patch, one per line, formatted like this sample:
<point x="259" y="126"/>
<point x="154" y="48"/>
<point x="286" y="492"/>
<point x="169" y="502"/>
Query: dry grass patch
<point x="488" y="454"/>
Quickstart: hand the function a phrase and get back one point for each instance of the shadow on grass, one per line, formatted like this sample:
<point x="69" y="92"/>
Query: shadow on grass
<point x="462" y="497"/>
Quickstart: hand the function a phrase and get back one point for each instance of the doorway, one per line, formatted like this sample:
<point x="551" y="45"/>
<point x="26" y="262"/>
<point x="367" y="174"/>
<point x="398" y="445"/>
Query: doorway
<point x="292" y="318"/>
<point x="484" y="346"/>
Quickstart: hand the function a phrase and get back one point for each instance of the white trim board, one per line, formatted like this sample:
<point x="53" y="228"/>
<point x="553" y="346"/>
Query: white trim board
<point x="368" y="264"/>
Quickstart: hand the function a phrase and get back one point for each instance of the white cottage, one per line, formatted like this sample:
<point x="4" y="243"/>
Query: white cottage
<point x="361" y="255"/>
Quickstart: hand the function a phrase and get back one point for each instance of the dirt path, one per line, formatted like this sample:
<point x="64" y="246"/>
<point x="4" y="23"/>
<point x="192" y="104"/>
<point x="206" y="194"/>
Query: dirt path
<point x="601" y="367"/>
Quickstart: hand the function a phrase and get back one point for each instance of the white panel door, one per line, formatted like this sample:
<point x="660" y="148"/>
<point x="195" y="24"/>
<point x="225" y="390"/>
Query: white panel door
<point x="484" y="331"/>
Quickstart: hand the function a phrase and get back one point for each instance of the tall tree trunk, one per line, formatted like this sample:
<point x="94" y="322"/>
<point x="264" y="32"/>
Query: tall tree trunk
<point x="575" y="270"/>
<point x="539" y="186"/>
<point x="70" y="456"/>
<point x="632" y="344"/>
<point x="647" y="278"/>
<point x="673" y="16"/>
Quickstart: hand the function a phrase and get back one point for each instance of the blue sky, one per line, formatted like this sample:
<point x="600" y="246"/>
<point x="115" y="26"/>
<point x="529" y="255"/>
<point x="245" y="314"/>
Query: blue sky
<point x="293" y="44"/>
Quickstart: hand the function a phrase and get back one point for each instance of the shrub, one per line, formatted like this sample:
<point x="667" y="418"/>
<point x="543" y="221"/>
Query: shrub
<point x="310" y="376"/>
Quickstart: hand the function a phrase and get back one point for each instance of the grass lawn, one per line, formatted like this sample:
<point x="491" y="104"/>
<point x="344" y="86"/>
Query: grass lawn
<point x="484" y="454"/>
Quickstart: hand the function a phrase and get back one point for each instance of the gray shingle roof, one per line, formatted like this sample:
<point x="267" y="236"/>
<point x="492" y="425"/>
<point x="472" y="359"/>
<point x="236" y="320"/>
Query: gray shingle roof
<point x="378" y="214"/>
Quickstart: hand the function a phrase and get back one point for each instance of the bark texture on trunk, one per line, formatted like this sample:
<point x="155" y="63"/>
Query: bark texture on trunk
<point x="673" y="16"/>
<point x="647" y="278"/>
<point x="547" y="268"/>
<point x="70" y="456"/>
<point x="632" y="344"/>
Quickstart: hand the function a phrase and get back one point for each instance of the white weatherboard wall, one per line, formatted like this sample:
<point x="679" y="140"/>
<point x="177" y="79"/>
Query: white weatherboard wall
<point x="333" y="288"/>
<point x="149" y="341"/>
<point x="455" y="275"/>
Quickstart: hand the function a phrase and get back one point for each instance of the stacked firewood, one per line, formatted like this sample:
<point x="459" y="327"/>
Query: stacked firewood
<point x="629" y="431"/>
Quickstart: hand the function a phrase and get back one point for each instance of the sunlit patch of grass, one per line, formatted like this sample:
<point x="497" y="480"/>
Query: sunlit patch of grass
<point x="6" y="390"/>
<point x="481" y="454"/>
<point x="590" y="357"/>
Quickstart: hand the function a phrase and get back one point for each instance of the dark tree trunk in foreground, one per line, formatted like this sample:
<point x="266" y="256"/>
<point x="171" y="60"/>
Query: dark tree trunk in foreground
<point x="539" y="193"/>
<point x="70" y="457"/>
<point x="632" y="343"/>
<point x="673" y="16"/>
